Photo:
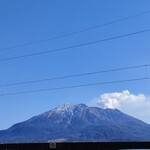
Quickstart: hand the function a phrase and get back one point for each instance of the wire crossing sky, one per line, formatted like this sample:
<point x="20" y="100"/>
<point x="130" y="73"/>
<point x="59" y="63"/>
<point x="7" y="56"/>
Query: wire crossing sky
<point x="76" y="86"/>
<point x="76" y="46"/>
<point x="77" y="32"/>
<point x="75" y="75"/>
<point x="76" y="43"/>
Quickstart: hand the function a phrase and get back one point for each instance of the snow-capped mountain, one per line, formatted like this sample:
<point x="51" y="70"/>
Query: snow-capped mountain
<point x="70" y="122"/>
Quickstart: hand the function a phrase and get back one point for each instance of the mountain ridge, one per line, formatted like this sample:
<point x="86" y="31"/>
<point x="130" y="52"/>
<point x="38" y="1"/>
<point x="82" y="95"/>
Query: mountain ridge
<point x="77" y="123"/>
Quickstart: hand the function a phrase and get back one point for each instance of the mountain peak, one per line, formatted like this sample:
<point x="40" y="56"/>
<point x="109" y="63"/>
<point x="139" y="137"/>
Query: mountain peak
<point x="82" y="105"/>
<point x="78" y="123"/>
<point x="63" y="107"/>
<point x="68" y="106"/>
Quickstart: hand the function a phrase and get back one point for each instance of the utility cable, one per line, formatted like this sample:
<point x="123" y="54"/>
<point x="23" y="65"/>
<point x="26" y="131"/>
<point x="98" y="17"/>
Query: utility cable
<point x="76" y="32"/>
<point x="73" y="75"/>
<point x="76" y="46"/>
<point x="75" y="86"/>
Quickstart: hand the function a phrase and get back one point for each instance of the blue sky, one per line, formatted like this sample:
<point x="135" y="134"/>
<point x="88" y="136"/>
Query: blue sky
<point x="24" y="21"/>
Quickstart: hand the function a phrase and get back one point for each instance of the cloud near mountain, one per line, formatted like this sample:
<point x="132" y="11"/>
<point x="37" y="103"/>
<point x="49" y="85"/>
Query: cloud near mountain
<point x="135" y="105"/>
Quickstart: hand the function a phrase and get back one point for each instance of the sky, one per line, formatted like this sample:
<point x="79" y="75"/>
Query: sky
<point x="27" y="21"/>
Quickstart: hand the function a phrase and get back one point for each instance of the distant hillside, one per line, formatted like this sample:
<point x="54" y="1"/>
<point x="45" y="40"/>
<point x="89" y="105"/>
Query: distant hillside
<point x="78" y="123"/>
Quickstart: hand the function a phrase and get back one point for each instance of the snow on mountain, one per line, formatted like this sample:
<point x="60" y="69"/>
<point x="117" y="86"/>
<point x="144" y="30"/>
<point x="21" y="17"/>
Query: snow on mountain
<point x="63" y="108"/>
<point x="78" y="123"/>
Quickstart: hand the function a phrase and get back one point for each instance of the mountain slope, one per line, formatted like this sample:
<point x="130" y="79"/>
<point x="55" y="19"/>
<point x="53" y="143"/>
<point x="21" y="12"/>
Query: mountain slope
<point x="78" y="123"/>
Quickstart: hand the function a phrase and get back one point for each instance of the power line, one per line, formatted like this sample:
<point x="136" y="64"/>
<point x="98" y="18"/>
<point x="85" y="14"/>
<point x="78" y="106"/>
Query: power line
<point x="77" y="32"/>
<point x="75" y="86"/>
<point x="73" y="75"/>
<point x="75" y="46"/>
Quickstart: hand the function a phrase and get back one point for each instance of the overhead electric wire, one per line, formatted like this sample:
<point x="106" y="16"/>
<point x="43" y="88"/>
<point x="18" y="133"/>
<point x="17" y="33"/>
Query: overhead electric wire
<point x="76" y="32"/>
<point x="75" y="86"/>
<point x="75" y="46"/>
<point x="73" y="75"/>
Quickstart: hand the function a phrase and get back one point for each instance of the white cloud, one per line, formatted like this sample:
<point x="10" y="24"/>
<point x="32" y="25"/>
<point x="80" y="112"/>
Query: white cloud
<point x="135" y="105"/>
